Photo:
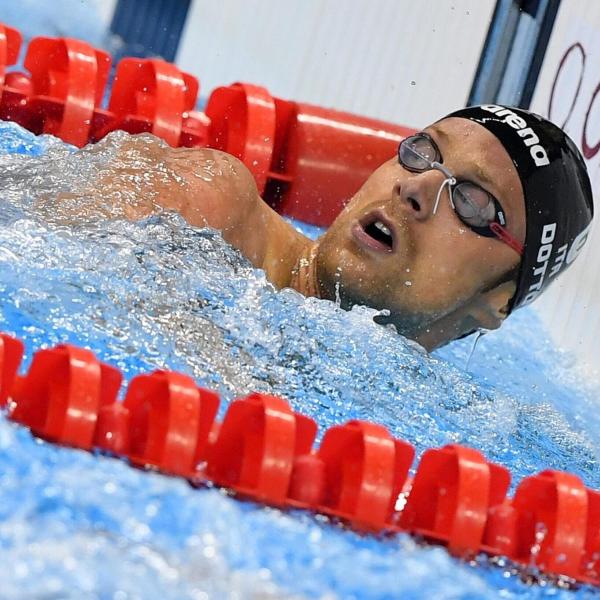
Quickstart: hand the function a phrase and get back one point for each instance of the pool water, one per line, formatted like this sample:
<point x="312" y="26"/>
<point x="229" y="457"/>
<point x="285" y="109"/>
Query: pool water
<point x="160" y="294"/>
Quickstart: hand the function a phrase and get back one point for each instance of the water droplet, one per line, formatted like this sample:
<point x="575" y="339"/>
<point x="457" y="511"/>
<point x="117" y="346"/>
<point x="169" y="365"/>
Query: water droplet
<point x="540" y="533"/>
<point x="480" y="333"/>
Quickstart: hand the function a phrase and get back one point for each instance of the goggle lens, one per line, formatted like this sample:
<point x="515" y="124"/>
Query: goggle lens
<point x="417" y="153"/>
<point x="474" y="205"/>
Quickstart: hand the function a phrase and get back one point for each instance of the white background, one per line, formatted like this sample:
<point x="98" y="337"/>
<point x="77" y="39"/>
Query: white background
<point x="399" y="60"/>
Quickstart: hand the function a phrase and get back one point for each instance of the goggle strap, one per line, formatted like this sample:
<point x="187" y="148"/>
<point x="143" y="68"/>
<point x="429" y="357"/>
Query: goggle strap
<point x="503" y="235"/>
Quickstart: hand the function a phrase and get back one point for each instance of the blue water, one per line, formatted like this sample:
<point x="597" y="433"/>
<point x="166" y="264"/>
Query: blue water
<point x="160" y="294"/>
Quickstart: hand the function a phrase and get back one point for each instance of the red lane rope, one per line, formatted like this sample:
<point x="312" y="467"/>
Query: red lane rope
<point x="265" y="451"/>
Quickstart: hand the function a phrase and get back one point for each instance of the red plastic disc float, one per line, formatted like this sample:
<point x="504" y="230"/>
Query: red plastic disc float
<point x="68" y="78"/>
<point x="61" y="395"/>
<point x="170" y="419"/>
<point x="242" y="119"/>
<point x="256" y="445"/>
<point x="152" y="95"/>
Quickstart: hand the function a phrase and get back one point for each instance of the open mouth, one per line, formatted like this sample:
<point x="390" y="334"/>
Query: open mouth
<point x="376" y="233"/>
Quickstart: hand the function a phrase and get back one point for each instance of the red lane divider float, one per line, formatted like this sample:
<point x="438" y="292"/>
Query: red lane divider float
<point x="68" y="78"/>
<point x="365" y="471"/>
<point x="263" y="450"/>
<point x="15" y="87"/>
<point x="255" y="447"/>
<point x="10" y="44"/>
<point x="170" y="419"/>
<point x="243" y="121"/>
<point x="154" y="96"/>
<point x="307" y="161"/>
<point x="452" y="493"/>
<point x="62" y="393"/>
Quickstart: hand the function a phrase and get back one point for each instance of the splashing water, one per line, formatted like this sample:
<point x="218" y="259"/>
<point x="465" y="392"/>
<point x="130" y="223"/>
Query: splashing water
<point x="160" y="294"/>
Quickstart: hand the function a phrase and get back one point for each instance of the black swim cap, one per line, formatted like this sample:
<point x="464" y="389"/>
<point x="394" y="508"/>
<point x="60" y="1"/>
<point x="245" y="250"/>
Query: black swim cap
<point x="558" y="194"/>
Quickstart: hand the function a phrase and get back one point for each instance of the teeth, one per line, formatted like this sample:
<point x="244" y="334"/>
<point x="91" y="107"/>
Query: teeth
<point x="382" y="228"/>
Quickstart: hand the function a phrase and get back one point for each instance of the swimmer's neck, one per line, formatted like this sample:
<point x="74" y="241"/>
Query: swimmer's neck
<point x="303" y="277"/>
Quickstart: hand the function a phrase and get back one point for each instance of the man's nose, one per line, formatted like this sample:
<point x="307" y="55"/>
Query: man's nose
<point x="417" y="194"/>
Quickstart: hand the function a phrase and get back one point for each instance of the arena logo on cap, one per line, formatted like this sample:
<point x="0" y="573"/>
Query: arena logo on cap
<point x="530" y="139"/>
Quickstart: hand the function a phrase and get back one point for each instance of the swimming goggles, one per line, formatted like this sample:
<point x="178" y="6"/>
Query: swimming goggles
<point x="474" y="206"/>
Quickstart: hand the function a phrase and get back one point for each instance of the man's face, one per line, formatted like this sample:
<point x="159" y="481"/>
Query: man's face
<point x="436" y="265"/>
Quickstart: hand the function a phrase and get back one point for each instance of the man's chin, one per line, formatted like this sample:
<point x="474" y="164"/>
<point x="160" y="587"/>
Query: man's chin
<point x="409" y="325"/>
<point x="350" y="293"/>
<point x="343" y="274"/>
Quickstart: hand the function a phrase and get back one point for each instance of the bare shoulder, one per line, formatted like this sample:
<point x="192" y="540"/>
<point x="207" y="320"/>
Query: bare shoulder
<point x="223" y="190"/>
<point x="207" y="187"/>
<point x="142" y="175"/>
<point x="246" y="220"/>
<point x="218" y="190"/>
<point x="224" y="196"/>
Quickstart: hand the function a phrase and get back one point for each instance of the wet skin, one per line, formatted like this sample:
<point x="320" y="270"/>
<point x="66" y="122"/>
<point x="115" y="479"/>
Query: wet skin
<point x="436" y="277"/>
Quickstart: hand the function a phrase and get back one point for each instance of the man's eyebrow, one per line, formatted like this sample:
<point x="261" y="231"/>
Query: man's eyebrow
<point x="441" y="134"/>
<point x="483" y="176"/>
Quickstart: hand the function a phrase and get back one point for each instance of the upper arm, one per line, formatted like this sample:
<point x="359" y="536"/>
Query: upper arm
<point x="228" y="199"/>
<point x="139" y="175"/>
<point x="222" y="194"/>
<point x="142" y="175"/>
<point x="220" y="190"/>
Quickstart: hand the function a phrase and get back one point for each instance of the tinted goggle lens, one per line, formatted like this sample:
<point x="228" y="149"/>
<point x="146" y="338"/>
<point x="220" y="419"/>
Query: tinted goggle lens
<point x="417" y="152"/>
<point x="474" y="205"/>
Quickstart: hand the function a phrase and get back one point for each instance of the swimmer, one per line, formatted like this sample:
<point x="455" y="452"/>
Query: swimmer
<point x="473" y="218"/>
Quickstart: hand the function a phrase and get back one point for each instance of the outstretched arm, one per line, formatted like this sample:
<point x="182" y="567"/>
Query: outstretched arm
<point x="143" y="176"/>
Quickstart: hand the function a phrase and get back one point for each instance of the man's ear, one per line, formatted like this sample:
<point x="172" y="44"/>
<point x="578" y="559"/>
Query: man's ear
<point x="491" y="308"/>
